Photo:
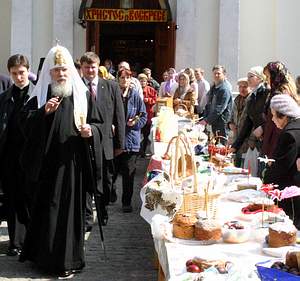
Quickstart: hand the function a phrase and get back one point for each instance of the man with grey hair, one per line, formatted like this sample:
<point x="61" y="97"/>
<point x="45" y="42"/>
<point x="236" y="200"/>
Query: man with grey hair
<point x="151" y="81"/>
<point x="63" y="128"/>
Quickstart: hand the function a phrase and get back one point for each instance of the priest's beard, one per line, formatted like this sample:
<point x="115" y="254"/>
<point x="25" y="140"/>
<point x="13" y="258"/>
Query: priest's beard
<point x="62" y="90"/>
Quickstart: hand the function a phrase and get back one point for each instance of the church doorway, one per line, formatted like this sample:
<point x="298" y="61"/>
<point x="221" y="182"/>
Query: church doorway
<point x="120" y="42"/>
<point x="143" y="37"/>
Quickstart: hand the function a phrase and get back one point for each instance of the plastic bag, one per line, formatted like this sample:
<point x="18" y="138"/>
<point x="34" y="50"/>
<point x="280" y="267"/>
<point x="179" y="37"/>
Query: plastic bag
<point x="251" y="161"/>
<point x="270" y="274"/>
<point x="167" y="125"/>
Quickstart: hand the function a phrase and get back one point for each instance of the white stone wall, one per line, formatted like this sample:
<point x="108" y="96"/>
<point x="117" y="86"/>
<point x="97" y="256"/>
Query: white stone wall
<point x="79" y="43"/>
<point x="269" y="31"/>
<point x="21" y="27"/>
<point x="42" y="30"/>
<point x="288" y="34"/>
<point x="229" y="29"/>
<point x="198" y="34"/>
<point x="238" y="34"/>
<point x="5" y="23"/>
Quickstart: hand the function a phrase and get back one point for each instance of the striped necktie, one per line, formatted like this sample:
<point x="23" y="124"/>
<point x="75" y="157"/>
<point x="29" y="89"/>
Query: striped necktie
<point x="92" y="91"/>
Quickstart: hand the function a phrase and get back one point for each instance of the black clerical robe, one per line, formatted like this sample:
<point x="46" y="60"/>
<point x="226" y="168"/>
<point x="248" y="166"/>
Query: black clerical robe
<point x="16" y="203"/>
<point x="56" y="157"/>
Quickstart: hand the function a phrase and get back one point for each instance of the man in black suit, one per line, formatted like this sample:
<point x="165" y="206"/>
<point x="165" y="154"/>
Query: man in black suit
<point x="109" y="101"/>
<point x="12" y="176"/>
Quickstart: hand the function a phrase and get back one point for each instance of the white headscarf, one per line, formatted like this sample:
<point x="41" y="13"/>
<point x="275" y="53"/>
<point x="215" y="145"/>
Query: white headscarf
<point x="59" y="56"/>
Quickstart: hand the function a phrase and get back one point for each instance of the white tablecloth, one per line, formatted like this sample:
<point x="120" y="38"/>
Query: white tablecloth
<point x="173" y="255"/>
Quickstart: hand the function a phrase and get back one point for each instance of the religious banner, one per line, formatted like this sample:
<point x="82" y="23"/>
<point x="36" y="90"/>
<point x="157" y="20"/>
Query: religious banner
<point x="125" y="15"/>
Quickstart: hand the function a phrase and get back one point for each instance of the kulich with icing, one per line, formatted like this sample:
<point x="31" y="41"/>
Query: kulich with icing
<point x="207" y="229"/>
<point x="282" y="234"/>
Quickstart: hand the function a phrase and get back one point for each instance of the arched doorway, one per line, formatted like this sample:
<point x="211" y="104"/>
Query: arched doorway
<point x="147" y="40"/>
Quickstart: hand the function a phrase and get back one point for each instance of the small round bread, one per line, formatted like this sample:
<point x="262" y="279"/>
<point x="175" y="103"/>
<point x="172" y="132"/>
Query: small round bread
<point x="282" y="234"/>
<point x="206" y="230"/>
<point x="184" y="226"/>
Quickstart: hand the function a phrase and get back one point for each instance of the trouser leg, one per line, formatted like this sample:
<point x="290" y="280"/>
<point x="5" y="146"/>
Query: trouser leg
<point x="146" y="133"/>
<point x="108" y="174"/>
<point x="128" y="173"/>
<point x="89" y="216"/>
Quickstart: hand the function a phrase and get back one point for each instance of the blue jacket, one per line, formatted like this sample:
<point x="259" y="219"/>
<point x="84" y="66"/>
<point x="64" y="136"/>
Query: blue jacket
<point x="135" y="107"/>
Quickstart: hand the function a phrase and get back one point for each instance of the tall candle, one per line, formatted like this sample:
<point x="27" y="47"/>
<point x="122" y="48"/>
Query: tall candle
<point x="249" y="168"/>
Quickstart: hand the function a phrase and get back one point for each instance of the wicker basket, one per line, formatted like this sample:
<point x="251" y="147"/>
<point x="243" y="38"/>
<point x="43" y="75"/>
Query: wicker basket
<point x="197" y="200"/>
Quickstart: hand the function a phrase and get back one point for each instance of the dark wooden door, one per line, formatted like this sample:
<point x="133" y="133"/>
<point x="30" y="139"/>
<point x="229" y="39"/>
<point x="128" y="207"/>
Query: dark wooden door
<point x="165" y="44"/>
<point x="92" y="36"/>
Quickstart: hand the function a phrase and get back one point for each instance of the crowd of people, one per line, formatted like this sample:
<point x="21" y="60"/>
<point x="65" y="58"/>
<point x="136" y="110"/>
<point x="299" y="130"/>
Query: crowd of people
<point x="66" y="136"/>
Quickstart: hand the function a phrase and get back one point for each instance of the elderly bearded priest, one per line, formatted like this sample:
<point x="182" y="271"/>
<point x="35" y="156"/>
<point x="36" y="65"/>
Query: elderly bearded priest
<point x="60" y="117"/>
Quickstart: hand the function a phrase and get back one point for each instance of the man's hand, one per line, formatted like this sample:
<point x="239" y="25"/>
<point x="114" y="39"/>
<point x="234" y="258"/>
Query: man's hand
<point x="298" y="164"/>
<point x="86" y="131"/>
<point x="52" y="105"/>
<point x="118" y="151"/>
<point x="232" y="150"/>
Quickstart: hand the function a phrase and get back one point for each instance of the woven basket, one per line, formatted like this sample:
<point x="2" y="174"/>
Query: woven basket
<point x="184" y="112"/>
<point x="196" y="200"/>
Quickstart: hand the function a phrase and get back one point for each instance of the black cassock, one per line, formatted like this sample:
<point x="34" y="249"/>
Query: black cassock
<point x="56" y="157"/>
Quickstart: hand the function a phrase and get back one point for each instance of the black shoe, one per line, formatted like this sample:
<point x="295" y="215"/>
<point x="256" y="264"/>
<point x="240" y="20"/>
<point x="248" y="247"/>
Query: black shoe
<point x="13" y="252"/>
<point x="113" y="196"/>
<point x="127" y="209"/>
<point x="66" y="275"/>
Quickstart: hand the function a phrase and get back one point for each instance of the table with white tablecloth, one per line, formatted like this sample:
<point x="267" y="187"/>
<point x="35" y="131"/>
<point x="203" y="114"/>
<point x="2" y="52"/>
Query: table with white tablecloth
<point x="173" y="253"/>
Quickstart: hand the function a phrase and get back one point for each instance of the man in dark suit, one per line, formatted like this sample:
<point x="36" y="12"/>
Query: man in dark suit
<point x="12" y="176"/>
<point x="5" y="82"/>
<point x="109" y="101"/>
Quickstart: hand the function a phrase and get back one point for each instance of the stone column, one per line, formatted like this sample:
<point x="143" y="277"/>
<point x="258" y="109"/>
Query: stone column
<point x="21" y="28"/>
<point x="63" y="23"/>
<point x="229" y="29"/>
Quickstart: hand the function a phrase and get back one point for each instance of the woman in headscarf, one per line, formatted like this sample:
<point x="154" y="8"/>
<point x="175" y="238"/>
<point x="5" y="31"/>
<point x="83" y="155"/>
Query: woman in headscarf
<point x="279" y="79"/>
<point x="184" y="94"/>
<point x="190" y="72"/>
<point x="168" y="87"/>
<point x="286" y="117"/>
<point x="103" y="73"/>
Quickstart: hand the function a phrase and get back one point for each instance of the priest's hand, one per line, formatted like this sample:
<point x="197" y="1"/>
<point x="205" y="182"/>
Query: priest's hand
<point x="52" y="105"/>
<point x="86" y="131"/>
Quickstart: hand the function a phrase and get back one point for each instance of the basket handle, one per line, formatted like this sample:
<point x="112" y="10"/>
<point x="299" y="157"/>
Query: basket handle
<point x="181" y="105"/>
<point x="185" y="149"/>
